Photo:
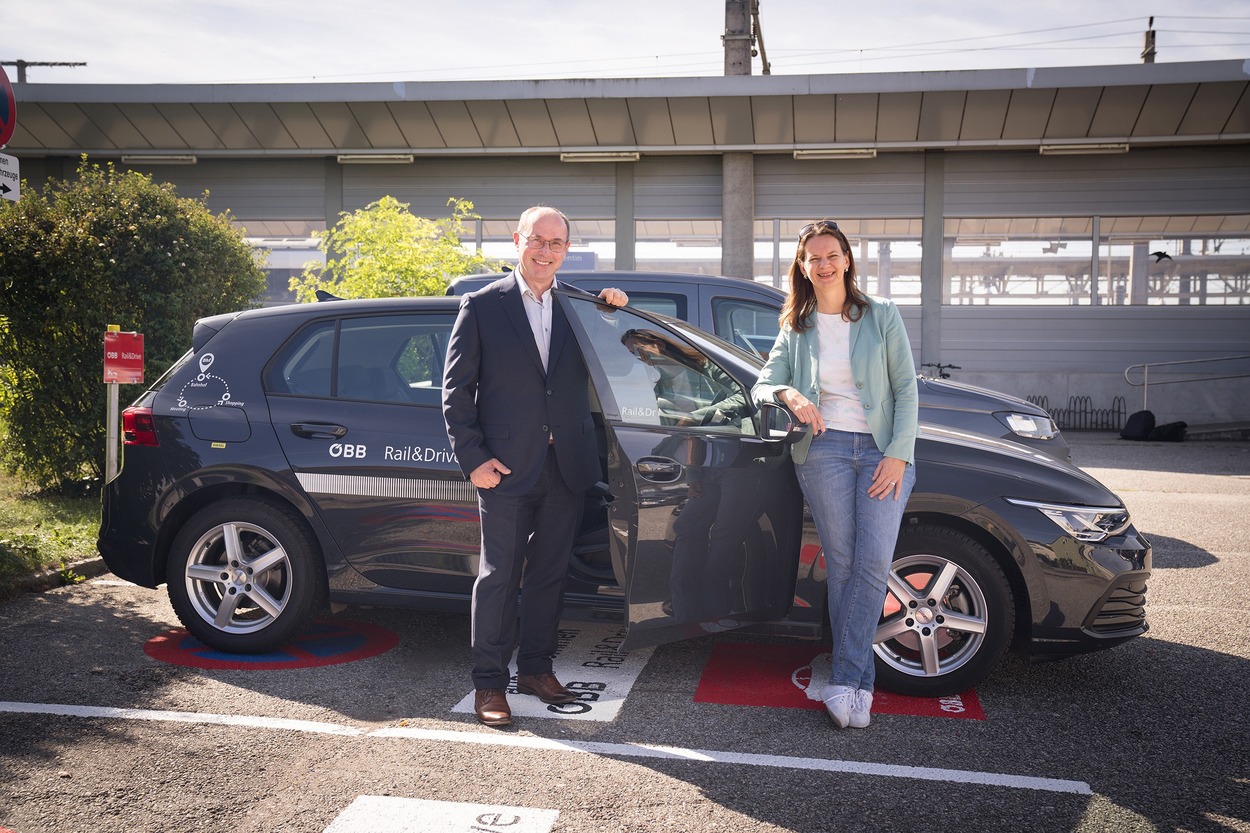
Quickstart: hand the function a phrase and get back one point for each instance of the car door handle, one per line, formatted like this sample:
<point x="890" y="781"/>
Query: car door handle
<point x="658" y="469"/>
<point x="318" y="430"/>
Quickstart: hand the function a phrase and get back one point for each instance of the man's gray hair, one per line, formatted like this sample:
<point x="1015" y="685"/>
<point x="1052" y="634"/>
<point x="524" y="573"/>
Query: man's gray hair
<point x="526" y="221"/>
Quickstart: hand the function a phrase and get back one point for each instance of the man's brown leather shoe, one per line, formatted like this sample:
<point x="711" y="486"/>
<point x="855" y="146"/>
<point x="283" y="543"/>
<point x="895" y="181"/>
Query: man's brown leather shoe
<point x="491" y="706"/>
<point x="545" y="687"/>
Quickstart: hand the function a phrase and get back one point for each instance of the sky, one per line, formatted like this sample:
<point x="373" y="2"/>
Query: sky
<point x="281" y="41"/>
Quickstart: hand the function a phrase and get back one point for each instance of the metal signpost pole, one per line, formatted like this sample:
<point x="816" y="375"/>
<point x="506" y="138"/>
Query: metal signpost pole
<point x="110" y="453"/>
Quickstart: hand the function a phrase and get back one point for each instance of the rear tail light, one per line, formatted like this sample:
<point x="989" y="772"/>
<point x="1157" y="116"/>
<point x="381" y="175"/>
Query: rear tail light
<point x="138" y="428"/>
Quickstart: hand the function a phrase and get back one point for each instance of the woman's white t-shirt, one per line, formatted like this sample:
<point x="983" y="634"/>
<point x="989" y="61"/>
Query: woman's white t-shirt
<point x="840" y="407"/>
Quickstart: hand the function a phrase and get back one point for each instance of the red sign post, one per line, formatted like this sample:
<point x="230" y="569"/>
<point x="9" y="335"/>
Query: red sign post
<point x="123" y="358"/>
<point x="123" y="365"/>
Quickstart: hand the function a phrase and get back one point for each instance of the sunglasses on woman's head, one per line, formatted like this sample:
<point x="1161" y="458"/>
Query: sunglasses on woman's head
<point x="823" y="225"/>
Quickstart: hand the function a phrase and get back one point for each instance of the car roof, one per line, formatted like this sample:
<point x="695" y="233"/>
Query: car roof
<point x="206" y="327"/>
<point x="340" y="306"/>
<point x="468" y="283"/>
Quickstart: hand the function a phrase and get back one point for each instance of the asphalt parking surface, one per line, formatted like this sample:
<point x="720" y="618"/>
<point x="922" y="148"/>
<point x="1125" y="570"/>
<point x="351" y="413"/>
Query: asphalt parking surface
<point x="95" y="734"/>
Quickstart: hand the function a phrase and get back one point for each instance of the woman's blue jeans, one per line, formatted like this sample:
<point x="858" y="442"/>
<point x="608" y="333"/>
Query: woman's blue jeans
<point x="858" y="534"/>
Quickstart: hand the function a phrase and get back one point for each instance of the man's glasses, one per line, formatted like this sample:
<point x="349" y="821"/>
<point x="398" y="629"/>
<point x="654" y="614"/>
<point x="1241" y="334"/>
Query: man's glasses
<point x="537" y="243"/>
<point x="823" y="225"/>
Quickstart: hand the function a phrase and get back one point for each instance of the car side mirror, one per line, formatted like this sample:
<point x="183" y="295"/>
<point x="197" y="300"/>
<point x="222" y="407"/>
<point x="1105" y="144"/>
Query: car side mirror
<point x="779" y="425"/>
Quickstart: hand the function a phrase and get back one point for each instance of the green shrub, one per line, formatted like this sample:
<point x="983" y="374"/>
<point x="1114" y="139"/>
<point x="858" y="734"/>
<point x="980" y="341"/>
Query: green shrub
<point x="108" y="247"/>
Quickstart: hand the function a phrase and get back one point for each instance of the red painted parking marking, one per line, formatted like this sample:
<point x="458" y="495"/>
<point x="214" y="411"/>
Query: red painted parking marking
<point x="792" y="677"/>
<point x="329" y="642"/>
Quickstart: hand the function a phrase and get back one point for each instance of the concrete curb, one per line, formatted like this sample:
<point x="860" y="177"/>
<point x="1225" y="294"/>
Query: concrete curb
<point x="49" y="579"/>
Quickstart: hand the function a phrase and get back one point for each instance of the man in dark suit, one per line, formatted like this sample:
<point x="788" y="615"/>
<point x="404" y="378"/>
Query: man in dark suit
<point x="515" y="398"/>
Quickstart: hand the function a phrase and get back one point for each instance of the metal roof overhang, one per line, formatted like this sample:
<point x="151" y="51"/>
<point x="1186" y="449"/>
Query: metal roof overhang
<point x="1169" y="104"/>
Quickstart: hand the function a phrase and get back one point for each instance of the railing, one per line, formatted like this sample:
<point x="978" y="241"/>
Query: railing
<point x="1145" y="381"/>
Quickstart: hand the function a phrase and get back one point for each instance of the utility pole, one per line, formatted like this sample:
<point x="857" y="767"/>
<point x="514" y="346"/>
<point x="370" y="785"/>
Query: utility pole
<point x="21" y="66"/>
<point x="737" y="37"/>
<point x="1148" y="49"/>
<point x="738" y="168"/>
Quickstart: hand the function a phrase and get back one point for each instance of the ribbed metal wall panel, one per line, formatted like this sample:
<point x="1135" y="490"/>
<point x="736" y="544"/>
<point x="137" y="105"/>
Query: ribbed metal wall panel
<point x="892" y="185"/>
<point x="498" y="188"/>
<point x="258" y="189"/>
<point x="1173" y="181"/>
<point x="678" y="188"/>
<point x="1088" y="339"/>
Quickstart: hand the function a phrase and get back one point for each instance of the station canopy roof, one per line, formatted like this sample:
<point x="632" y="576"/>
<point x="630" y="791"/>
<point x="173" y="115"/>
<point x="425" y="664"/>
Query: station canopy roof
<point x="1138" y="105"/>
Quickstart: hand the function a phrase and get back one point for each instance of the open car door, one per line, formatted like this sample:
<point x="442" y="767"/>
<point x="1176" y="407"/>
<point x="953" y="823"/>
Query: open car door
<point x="705" y="518"/>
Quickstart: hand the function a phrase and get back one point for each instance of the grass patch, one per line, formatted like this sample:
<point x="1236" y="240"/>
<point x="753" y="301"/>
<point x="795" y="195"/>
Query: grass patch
<point x="44" y="530"/>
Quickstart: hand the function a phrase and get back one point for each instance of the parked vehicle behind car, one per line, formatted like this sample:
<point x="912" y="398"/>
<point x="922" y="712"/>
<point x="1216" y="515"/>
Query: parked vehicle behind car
<point x="298" y="454"/>
<point x="745" y="313"/>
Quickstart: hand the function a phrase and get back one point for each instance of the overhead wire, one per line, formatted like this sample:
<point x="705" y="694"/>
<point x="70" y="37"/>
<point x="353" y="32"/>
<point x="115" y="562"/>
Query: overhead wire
<point x="711" y="62"/>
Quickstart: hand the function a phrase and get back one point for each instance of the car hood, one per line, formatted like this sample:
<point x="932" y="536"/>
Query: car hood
<point x="981" y="468"/>
<point x="940" y="393"/>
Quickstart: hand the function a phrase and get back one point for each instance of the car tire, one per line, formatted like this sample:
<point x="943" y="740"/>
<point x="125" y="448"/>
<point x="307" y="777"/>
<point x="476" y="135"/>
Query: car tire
<point x="245" y="575"/>
<point x="948" y="618"/>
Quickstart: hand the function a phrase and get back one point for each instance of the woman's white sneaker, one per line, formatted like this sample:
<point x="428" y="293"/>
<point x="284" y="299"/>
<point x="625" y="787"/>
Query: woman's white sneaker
<point x="861" y="711"/>
<point x="839" y="701"/>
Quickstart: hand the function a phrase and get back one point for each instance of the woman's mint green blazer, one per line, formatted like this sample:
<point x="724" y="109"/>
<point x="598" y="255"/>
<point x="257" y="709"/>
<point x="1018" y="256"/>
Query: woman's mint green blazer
<point x="881" y="365"/>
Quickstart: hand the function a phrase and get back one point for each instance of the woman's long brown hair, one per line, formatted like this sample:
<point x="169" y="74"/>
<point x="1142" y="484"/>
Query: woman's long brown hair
<point x="800" y="304"/>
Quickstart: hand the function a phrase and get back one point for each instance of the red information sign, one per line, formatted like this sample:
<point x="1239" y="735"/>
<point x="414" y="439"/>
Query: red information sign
<point x="123" y="358"/>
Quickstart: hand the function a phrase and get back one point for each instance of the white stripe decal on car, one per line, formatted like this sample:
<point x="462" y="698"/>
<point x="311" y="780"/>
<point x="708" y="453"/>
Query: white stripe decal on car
<point x="397" y="487"/>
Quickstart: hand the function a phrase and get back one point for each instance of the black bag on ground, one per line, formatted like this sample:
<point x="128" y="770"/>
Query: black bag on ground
<point x="1169" y="432"/>
<point x="1138" y="426"/>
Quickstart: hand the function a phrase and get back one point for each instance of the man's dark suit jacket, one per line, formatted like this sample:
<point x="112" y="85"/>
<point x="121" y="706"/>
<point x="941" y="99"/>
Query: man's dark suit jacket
<point x="498" y="402"/>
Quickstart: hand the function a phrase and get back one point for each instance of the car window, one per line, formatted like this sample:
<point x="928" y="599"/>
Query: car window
<point x="664" y="304"/>
<point x="303" y="366"/>
<point x="393" y="358"/>
<point x="751" y="326"/>
<point x="384" y="358"/>
<point x="657" y="378"/>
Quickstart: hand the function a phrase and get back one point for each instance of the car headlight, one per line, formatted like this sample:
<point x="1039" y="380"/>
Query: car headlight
<point x="1028" y="425"/>
<point x="1084" y="523"/>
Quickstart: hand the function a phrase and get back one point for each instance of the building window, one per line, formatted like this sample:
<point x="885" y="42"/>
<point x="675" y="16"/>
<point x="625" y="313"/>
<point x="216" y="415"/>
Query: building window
<point x="691" y="246"/>
<point x="1079" y="261"/>
<point x="1176" y="260"/>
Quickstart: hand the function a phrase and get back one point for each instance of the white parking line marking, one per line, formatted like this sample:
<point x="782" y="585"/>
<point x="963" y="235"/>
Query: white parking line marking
<point x="182" y="717"/>
<point x="388" y="814"/>
<point x="640" y="750"/>
<point x="625" y="750"/>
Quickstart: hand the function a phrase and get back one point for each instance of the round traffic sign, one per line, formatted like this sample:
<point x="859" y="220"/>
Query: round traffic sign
<point x="8" y="109"/>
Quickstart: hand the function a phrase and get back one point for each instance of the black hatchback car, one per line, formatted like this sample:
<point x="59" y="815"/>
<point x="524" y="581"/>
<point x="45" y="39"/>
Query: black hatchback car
<point x="297" y="455"/>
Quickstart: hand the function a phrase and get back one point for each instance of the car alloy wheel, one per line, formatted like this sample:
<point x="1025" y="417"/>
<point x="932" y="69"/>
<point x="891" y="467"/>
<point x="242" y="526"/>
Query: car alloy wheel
<point x="242" y="575"/>
<point x="948" y="615"/>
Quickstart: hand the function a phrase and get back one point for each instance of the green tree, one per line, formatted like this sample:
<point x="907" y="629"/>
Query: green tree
<point x="109" y="247"/>
<point x="384" y="251"/>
